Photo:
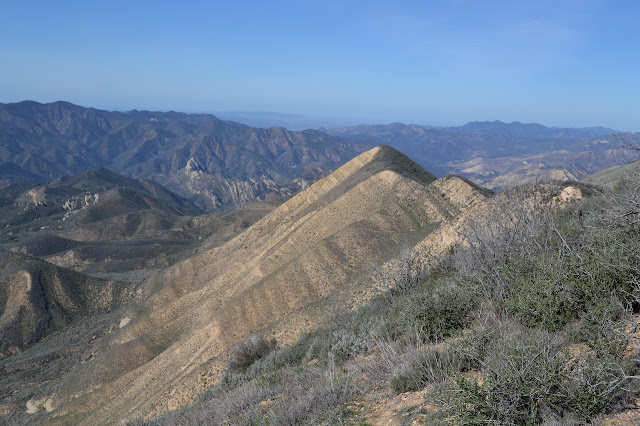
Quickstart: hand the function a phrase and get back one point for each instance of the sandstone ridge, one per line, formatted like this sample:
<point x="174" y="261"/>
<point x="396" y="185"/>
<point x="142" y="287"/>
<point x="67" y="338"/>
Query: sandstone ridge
<point x="281" y="277"/>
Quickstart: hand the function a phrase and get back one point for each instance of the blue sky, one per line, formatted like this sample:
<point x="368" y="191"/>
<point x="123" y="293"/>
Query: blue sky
<point x="560" y="63"/>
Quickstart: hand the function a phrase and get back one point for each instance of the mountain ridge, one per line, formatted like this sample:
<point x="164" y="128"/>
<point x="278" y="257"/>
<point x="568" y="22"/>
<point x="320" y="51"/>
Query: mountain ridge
<point x="497" y="155"/>
<point x="51" y="140"/>
<point x="535" y="130"/>
<point x="280" y="277"/>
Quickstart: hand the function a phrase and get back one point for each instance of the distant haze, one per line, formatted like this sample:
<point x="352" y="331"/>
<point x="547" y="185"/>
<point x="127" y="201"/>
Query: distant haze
<point x="290" y="121"/>
<point x="561" y="63"/>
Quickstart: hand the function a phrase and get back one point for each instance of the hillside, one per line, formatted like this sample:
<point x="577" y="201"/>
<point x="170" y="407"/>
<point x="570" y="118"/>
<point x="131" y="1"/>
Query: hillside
<point x="216" y="163"/>
<point x="112" y="226"/>
<point x="90" y="206"/>
<point x="530" y="317"/>
<point x="612" y="176"/>
<point x="37" y="298"/>
<point x="505" y="172"/>
<point x="281" y="277"/>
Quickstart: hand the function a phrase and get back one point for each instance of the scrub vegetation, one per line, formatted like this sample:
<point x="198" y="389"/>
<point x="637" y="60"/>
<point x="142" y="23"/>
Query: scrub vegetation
<point x="532" y="321"/>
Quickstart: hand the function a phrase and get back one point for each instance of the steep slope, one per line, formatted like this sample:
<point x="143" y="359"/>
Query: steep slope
<point x="283" y="276"/>
<point x="37" y="297"/>
<point x="47" y="141"/>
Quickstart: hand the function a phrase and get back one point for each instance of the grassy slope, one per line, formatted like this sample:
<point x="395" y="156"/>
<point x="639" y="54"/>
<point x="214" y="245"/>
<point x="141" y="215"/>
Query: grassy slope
<point x="614" y="175"/>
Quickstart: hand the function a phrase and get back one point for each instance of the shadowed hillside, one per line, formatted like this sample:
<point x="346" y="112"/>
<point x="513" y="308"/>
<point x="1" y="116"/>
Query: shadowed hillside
<point x="37" y="298"/>
<point x="85" y="198"/>
<point x="112" y="226"/>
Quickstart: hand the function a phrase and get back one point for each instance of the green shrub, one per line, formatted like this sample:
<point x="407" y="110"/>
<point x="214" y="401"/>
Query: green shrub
<point x="345" y="345"/>
<point x="528" y="375"/>
<point x="602" y="327"/>
<point x="550" y="289"/>
<point x="540" y="292"/>
<point x="520" y="372"/>
<point x="434" y="311"/>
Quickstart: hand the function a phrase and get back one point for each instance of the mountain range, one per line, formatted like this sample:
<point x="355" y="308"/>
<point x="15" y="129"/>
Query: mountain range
<point x="499" y="155"/>
<point x="139" y="250"/>
<point x="223" y="164"/>
<point x="216" y="163"/>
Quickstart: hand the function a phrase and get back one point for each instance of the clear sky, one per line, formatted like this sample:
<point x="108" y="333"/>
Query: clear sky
<point x="559" y="63"/>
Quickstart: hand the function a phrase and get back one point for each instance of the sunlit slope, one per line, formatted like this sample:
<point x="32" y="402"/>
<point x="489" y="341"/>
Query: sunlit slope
<point x="280" y="277"/>
<point x="613" y="175"/>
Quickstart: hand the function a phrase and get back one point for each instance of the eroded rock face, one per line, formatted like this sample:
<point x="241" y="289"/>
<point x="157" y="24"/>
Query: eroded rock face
<point x="211" y="192"/>
<point x="570" y="193"/>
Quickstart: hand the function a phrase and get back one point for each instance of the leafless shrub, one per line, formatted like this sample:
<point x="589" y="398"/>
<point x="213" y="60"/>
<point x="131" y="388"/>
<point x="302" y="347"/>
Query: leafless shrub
<point x="384" y="362"/>
<point x="219" y="406"/>
<point x="248" y="351"/>
<point x="628" y="140"/>
<point x="516" y="217"/>
<point x="315" y="396"/>
<point x="620" y="206"/>
<point x="517" y="223"/>
<point x="431" y="364"/>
